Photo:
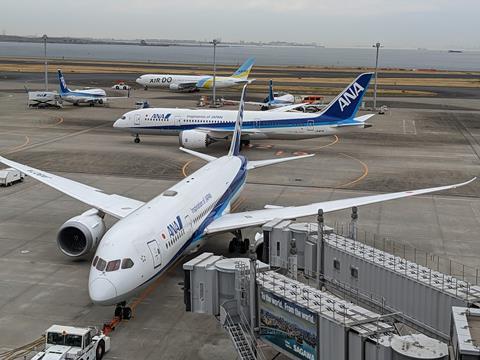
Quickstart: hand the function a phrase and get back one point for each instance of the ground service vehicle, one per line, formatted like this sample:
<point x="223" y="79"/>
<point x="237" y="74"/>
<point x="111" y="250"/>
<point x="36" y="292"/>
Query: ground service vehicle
<point x="74" y="343"/>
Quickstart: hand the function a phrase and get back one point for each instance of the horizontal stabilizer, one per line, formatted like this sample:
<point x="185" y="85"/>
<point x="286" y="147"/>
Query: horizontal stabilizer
<point x="199" y="154"/>
<point x="356" y="121"/>
<point x="262" y="163"/>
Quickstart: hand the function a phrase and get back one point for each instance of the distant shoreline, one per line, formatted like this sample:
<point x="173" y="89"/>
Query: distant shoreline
<point x="139" y="42"/>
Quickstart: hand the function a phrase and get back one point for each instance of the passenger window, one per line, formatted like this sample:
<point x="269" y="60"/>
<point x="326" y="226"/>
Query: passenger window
<point x="113" y="265"/>
<point x="127" y="263"/>
<point x="101" y="264"/>
<point x="95" y="261"/>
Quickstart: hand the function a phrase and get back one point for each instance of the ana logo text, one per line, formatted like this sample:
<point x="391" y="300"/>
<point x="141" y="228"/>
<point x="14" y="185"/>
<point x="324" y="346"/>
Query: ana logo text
<point x="174" y="227"/>
<point x="162" y="117"/>
<point x="349" y="95"/>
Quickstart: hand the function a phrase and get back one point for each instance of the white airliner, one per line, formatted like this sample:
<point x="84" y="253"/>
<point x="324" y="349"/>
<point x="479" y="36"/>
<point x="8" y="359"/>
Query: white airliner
<point x="190" y="83"/>
<point x="83" y="96"/>
<point x="149" y="237"/>
<point x="275" y="99"/>
<point x="198" y="128"/>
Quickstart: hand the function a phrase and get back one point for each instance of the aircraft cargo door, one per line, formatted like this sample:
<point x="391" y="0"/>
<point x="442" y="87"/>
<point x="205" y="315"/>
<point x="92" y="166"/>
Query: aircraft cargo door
<point x="155" y="251"/>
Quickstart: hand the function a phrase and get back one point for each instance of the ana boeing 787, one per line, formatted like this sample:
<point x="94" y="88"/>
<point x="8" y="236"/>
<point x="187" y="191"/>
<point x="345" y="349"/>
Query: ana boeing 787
<point x="149" y="237"/>
<point x="198" y="128"/>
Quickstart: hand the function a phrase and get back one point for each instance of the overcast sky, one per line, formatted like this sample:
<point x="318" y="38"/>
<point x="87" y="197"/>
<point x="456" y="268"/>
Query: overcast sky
<point x="431" y="24"/>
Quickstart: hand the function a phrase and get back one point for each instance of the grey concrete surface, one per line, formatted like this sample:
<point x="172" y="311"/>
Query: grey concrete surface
<point x="405" y="149"/>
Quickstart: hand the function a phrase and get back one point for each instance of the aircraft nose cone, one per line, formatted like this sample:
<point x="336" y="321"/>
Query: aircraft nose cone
<point x="117" y="123"/>
<point x="102" y="291"/>
<point x="139" y="80"/>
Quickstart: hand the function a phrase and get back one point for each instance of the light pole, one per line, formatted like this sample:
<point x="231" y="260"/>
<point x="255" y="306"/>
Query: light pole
<point x="46" y="64"/>
<point x="378" y="46"/>
<point x="214" y="42"/>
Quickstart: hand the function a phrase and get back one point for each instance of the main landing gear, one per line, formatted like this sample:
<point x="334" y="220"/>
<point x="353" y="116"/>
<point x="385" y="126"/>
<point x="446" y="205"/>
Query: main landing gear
<point x="244" y="143"/>
<point x="137" y="139"/>
<point x="238" y="244"/>
<point x="123" y="312"/>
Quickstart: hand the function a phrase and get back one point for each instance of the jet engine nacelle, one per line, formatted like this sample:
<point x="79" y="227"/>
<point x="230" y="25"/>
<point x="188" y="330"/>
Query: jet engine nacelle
<point x="79" y="235"/>
<point x="194" y="139"/>
<point x="174" y="87"/>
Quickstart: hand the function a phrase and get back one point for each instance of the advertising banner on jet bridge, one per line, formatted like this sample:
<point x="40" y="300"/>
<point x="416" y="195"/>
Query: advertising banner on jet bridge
<point x="288" y="326"/>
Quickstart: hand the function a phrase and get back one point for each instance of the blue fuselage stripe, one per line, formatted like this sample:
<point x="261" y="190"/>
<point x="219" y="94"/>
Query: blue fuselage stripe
<point x="260" y="124"/>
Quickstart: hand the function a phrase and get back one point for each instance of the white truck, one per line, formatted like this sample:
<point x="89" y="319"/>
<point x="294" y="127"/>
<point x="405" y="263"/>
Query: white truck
<point x="10" y="176"/>
<point x="73" y="343"/>
<point x="44" y="99"/>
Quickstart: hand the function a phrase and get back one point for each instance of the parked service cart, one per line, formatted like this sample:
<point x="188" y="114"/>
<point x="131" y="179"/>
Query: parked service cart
<point x="44" y="99"/>
<point x="121" y="86"/>
<point x="10" y="176"/>
<point x="74" y="343"/>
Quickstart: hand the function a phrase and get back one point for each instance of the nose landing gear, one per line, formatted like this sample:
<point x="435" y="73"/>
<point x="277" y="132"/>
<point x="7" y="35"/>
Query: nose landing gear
<point x="137" y="139"/>
<point x="123" y="312"/>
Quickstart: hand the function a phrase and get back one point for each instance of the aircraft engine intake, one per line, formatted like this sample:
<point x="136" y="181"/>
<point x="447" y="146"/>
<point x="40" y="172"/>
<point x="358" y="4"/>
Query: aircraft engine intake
<point x="194" y="139"/>
<point x="81" y="234"/>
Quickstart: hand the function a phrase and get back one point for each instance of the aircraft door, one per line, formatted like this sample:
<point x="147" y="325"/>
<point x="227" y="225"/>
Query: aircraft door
<point x="188" y="223"/>
<point x="155" y="251"/>
<point x="136" y="120"/>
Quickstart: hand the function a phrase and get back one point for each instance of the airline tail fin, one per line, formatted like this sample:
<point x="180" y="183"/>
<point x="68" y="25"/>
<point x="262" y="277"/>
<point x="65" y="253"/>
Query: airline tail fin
<point x="237" y="133"/>
<point x="244" y="70"/>
<point x="270" y="91"/>
<point x="346" y="104"/>
<point x="63" y="85"/>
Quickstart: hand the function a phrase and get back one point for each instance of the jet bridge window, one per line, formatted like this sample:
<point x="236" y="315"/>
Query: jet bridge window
<point x="127" y="263"/>
<point x="101" y="264"/>
<point x="113" y="265"/>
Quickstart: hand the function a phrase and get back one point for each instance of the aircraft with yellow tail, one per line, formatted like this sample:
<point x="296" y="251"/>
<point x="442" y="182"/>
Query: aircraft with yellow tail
<point x="190" y="83"/>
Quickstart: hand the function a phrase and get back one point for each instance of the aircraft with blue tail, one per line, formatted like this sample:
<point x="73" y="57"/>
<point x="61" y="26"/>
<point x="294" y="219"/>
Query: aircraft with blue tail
<point x="273" y="100"/>
<point x="89" y="96"/>
<point x="149" y="237"/>
<point x="198" y="128"/>
<point x="190" y="83"/>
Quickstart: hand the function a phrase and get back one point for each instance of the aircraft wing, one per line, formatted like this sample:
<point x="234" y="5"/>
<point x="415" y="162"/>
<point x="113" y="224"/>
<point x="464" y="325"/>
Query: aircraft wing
<point x="116" y="97"/>
<point x="112" y="204"/>
<point x="224" y="132"/>
<point x="236" y="102"/>
<point x="287" y="107"/>
<point x="245" y="219"/>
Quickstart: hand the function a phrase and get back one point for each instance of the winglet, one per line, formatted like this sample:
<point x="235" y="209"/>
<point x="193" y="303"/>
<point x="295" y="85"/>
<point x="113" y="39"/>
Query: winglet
<point x="237" y="134"/>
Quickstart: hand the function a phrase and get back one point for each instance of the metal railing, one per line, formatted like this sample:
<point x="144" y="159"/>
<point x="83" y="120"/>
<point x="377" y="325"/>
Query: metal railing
<point x="411" y="253"/>
<point x="388" y="256"/>
<point x="233" y="318"/>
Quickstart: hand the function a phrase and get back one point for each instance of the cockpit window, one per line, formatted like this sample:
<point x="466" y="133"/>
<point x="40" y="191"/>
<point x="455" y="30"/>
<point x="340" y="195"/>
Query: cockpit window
<point x="101" y="264"/>
<point x="127" y="263"/>
<point x="113" y="265"/>
<point x="95" y="261"/>
<point x="123" y="117"/>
